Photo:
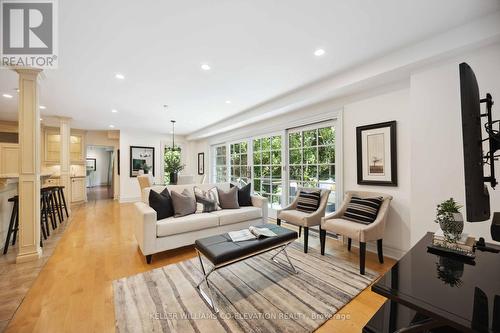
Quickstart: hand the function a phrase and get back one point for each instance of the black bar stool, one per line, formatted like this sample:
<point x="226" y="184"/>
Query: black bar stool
<point x="61" y="200"/>
<point x="46" y="213"/>
<point x="54" y="201"/>
<point x="13" y="224"/>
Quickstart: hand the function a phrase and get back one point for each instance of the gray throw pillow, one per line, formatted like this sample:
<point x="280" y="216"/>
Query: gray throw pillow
<point x="206" y="201"/>
<point x="229" y="199"/>
<point x="184" y="203"/>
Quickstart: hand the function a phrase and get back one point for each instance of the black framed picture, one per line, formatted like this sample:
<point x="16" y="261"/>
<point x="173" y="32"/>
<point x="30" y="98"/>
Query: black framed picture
<point x="91" y="164"/>
<point x="142" y="158"/>
<point x="118" y="161"/>
<point x="377" y="154"/>
<point x="201" y="163"/>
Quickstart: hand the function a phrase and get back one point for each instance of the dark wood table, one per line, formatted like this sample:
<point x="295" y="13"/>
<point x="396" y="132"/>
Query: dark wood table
<point x="439" y="293"/>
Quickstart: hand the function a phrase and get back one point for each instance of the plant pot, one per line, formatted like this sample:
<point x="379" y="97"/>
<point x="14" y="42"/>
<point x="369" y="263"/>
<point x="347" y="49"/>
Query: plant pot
<point x="453" y="227"/>
<point x="146" y="172"/>
<point x="173" y="178"/>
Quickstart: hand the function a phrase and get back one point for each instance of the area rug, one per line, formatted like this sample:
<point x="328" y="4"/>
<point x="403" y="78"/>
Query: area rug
<point x="254" y="295"/>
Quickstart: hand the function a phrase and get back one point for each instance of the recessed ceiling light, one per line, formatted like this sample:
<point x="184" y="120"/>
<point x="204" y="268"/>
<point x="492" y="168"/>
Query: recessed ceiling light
<point x="205" y="67"/>
<point x="111" y="126"/>
<point x="114" y="110"/>
<point x="7" y="96"/>
<point x="41" y="119"/>
<point x="228" y="102"/>
<point x="42" y="107"/>
<point x="319" y="52"/>
<point x="120" y="76"/>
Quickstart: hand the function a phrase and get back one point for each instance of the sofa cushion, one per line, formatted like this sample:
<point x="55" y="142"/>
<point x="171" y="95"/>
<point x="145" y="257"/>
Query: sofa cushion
<point x="230" y="216"/>
<point x="184" y="203"/>
<point x="179" y="225"/>
<point x="161" y="203"/>
<point x="229" y="199"/>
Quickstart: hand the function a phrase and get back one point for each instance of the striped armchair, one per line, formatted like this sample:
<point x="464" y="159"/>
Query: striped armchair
<point x="302" y="219"/>
<point x="361" y="232"/>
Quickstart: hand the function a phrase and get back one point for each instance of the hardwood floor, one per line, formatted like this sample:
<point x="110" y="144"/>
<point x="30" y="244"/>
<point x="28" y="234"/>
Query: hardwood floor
<point x="17" y="279"/>
<point x="73" y="293"/>
<point x="101" y="192"/>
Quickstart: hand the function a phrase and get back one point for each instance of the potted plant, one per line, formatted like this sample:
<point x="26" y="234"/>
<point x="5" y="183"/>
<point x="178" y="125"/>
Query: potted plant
<point x="146" y="168"/>
<point x="173" y="165"/>
<point x="450" y="220"/>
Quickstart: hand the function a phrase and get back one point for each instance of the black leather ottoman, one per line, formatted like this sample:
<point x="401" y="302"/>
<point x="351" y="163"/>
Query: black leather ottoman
<point x="221" y="251"/>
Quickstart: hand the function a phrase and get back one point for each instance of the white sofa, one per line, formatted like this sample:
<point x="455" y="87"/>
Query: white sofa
<point x="156" y="236"/>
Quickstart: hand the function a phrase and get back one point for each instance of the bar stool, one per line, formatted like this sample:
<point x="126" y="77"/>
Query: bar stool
<point x="13" y="224"/>
<point x="61" y="200"/>
<point x="54" y="202"/>
<point x="46" y="212"/>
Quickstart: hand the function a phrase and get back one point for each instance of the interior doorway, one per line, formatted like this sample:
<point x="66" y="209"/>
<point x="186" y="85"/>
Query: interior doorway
<point x="99" y="169"/>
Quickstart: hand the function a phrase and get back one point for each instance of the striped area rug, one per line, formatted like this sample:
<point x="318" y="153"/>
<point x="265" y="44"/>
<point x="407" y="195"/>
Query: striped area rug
<point x="254" y="295"/>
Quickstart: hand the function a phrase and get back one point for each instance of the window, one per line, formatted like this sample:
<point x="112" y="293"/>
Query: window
<point x="311" y="157"/>
<point x="267" y="169"/>
<point x="172" y="159"/>
<point x="220" y="164"/>
<point x="239" y="163"/>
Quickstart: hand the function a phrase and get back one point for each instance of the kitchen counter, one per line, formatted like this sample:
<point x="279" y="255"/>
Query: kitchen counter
<point x="12" y="178"/>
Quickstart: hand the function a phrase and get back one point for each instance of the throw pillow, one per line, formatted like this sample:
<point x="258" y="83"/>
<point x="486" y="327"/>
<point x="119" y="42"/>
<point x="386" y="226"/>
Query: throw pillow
<point x="244" y="195"/>
<point x="161" y="203"/>
<point x="184" y="203"/>
<point x="363" y="210"/>
<point x="211" y="193"/>
<point x="206" y="201"/>
<point x="229" y="199"/>
<point x="308" y="201"/>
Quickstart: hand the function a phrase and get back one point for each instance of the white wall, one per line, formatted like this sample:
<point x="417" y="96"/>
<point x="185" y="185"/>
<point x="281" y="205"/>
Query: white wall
<point x="101" y="175"/>
<point x="382" y="108"/>
<point x="437" y="169"/>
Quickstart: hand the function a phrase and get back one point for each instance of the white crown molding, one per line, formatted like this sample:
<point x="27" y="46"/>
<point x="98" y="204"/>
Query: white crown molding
<point x="390" y="68"/>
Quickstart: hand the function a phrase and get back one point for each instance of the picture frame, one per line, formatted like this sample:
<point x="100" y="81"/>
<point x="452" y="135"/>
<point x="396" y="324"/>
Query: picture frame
<point x="376" y="148"/>
<point x="139" y="157"/>
<point x="201" y="163"/>
<point x="118" y="161"/>
<point x="91" y="164"/>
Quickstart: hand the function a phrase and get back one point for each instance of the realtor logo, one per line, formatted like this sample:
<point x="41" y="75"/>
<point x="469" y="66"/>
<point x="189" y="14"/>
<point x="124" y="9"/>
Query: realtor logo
<point x="28" y="32"/>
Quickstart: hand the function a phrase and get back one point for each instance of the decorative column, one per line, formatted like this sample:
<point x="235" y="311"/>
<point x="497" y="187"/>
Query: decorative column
<point x="65" y="180"/>
<point x="29" y="173"/>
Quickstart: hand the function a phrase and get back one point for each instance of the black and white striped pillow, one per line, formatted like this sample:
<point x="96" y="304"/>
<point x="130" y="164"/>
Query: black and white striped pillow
<point x="363" y="210"/>
<point x="308" y="201"/>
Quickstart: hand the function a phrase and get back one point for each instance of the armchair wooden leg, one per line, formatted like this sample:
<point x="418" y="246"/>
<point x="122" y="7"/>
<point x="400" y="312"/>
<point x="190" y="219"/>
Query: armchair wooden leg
<point x="322" y="240"/>
<point x="362" y="254"/>
<point x="349" y="242"/>
<point x="380" y="251"/>
<point x="306" y="238"/>
<point x="300" y="231"/>
<point x="278" y="222"/>
<point x="149" y="258"/>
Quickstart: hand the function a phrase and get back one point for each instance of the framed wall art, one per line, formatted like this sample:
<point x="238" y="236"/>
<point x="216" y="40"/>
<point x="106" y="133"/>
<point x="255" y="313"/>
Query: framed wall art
<point x="201" y="163"/>
<point x="142" y="158"/>
<point x="377" y="154"/>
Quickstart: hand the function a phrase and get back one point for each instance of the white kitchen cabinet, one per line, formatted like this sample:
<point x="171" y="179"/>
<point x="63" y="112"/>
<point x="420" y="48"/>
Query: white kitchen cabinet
<point x="9" y="158"/>
<point x="78" y="189"/>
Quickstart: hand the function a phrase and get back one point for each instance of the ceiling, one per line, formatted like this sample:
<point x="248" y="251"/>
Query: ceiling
<point x="257" y="50"/>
